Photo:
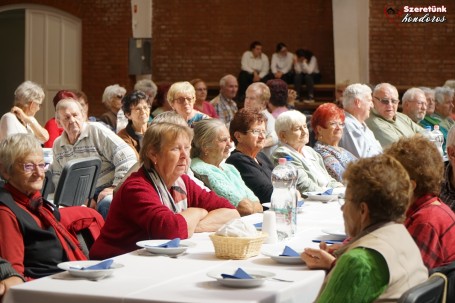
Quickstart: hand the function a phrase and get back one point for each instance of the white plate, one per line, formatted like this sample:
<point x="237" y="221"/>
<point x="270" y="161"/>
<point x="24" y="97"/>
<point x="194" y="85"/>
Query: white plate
<point x="314" y="196"/>
<point x="335" y="232"/>
<point x="88" y="273"/>
<point x="259" y="276"/>
<point x="150" y="246"/>
<point x="274" y="254"/>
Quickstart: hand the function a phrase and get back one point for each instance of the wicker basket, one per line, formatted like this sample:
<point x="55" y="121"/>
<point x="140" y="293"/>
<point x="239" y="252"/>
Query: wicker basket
<point x="237" y="248"/>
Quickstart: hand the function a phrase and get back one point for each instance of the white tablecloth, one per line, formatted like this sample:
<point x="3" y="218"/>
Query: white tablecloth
<point x="146" y="278"/>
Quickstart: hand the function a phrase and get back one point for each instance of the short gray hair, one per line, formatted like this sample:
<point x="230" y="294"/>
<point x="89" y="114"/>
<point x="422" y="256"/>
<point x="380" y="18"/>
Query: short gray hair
<point x="441" y="92"/>
<point x="205" y="132"/>
<point x="111" y="91"/>
<point x="27" y="92"/>
<point x="180" y="87"/>
<point x="263" y="90"/>
<point x="67" y="103"/>
<point x="169" y="116"/>
<point x="15" y="147"/>
<point x="287" y="120"/>
<point x="225" y="78"/>
<point x="355" y="91"/>
<point x="410" y="94"/>
<point x="148" y="87"/>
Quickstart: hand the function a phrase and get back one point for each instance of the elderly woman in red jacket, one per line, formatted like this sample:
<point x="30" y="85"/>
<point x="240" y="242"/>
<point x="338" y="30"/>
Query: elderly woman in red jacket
<point x="160" y="201"/>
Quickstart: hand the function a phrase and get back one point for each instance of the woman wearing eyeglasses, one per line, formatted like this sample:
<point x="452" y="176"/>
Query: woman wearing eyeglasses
<point x="248" y="131"/>
<point x="112" y="99"/>
<point x="210" y="147"/>
<point x="32" y="238"/>
<point x="292" y="131"/>
<point x="181" y="96"/>
<point x="328" y="123"/>
<point x="21" y="119"/>
<point x="137" y="111"/>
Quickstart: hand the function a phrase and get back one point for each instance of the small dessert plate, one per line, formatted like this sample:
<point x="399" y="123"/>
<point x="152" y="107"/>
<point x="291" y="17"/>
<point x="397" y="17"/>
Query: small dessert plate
<point x="75" y="269"/>
<point x="152" y="246"/>
<point x="259" y="277"/>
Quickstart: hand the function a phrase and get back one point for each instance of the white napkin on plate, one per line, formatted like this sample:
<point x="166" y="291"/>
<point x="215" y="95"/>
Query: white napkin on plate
<point x="237" y="228"/>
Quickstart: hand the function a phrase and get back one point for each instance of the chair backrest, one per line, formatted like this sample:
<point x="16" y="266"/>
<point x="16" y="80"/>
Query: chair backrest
<point x="430" y="291"/>
<point x="48" y="186"/>
<point x="77" y="182"/>
<point x="449" y="272"/>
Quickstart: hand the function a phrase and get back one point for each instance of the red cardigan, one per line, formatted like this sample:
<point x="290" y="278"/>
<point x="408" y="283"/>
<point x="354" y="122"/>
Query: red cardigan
<point x="137" y="214"/>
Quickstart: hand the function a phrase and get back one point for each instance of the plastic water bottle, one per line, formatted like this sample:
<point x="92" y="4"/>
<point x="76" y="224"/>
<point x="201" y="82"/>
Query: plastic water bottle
<point x="283" y="201"/>
<point x="438" y="139"/>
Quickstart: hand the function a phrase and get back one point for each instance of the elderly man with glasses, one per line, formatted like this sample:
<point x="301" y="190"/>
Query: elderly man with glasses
<point x="415" y="104"/>
<point x="387" y="124"/>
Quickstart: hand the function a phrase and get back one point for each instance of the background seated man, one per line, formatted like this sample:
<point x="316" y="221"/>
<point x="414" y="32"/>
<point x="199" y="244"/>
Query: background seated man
<point x="415" y="104"/>
<point x="86" y="139"/>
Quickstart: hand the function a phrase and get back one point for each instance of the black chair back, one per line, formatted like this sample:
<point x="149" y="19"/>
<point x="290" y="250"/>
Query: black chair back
<point x="77" y="182"/>
<point x="430" y="291"/>
<point x="48" y="186"/>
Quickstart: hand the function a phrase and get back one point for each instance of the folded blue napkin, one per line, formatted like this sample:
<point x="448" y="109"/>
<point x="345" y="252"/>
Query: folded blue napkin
<point x="106" y="264"/>
<point x="300" y="203"/>
<point x="289" y="252"/>
<point x="258" y="225"/>
<point x="173" y="243"/>
<point x="239" y="274"/>
<point x="327" y="192"/>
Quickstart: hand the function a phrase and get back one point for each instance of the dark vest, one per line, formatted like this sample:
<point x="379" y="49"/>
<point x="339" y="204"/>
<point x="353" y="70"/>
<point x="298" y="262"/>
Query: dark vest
<point x="43" y="250"/>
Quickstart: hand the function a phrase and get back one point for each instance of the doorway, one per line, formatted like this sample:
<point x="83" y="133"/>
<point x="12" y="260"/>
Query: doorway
<point x="44" y="47"/>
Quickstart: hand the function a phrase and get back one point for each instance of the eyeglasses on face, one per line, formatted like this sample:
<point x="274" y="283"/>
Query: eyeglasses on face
<point x="201" y="89"/>
<point x="386" y="101"/>
<point x="257" y="132"/>
<point x="120" y="96"/>
<point x="144" y="108"/>
<point x="30" y="167"/>
<point x="183" y="100"/>
<point x="334" y="124"/>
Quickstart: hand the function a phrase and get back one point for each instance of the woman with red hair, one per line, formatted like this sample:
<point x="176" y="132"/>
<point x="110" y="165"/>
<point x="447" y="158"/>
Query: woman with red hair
<point x="328" y="124"/>
<point x="51" y="124"/>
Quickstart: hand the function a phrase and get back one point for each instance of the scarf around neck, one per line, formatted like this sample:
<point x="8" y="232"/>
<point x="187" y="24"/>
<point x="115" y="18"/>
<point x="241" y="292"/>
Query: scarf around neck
<point x="176" y="198"/>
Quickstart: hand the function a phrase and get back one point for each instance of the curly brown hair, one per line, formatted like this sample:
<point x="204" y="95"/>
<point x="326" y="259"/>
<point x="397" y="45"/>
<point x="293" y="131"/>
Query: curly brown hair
<point x="383" y="184"/>
<point x="421" y="159"/>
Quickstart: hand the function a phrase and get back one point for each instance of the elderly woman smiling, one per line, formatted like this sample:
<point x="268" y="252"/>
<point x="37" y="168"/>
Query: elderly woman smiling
<point x="181" y="96"/>
<point x="137" y="110"/>
<point x="328" y="123"/>
<point x="381" y="261"/>
<point x="159" y="201"/>
<point x="292" y="131"/>
<point x="211" y="146"/>
<point x="248" y="131"/>
<point x="33" y="240"/>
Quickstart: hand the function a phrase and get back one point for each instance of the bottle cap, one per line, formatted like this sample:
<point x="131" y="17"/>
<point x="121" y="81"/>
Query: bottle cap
<point x="436" y="127"/>
<point x="282" y="161"/>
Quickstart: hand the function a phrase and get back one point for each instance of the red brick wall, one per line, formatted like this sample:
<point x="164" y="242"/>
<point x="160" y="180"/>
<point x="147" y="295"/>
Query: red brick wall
<point x="411" y="53"/>
<point x="193" y="38"/>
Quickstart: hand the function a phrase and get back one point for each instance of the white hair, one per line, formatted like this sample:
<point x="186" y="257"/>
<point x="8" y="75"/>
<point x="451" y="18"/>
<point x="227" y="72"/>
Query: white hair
<point x="355" y="91"/>
<point x="111" y="91"/>
<point x="288" y="119"/>
<point x="441" y="92"/>
<point x="410" y="94"/>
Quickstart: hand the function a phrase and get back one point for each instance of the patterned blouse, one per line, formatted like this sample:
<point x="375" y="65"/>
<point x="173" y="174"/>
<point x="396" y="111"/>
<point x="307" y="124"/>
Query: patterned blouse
<point x="335" y="159"/>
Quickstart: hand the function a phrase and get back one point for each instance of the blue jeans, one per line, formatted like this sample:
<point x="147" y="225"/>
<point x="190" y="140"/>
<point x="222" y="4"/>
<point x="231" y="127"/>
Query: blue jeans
<point x="103" y="206"/>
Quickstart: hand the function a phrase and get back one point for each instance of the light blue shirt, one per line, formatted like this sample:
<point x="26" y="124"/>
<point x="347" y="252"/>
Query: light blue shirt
<point x="359" y="139"/>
